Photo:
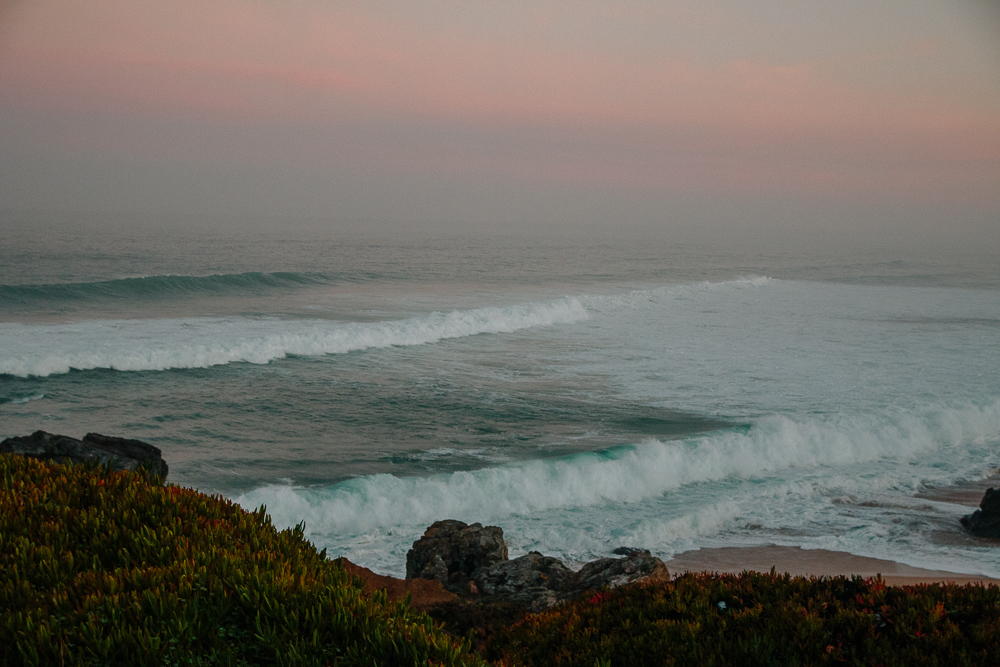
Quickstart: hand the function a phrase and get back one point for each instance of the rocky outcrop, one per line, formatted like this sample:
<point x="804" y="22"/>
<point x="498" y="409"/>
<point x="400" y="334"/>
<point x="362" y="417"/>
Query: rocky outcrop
<point x="450" y="551"/>
<point x="472" y="562"/>
<point x="985" y="521"/>
<point x="117" y="453"/>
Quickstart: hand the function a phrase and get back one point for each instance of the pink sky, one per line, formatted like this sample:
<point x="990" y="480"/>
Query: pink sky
<point x="317" y="107"/>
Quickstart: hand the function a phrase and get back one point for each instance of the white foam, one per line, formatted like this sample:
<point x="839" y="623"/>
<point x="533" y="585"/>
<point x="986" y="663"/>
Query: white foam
<point x="669" y="536"/>
<point x="774" y="444"/>
<point x="132" y="345"/>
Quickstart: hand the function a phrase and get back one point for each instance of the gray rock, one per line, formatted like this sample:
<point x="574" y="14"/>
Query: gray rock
<point x="534" y="581"/>
<point x="450" y="551"/>
<point x="638" y="565"/>
<point x="985" y="521"/>
<point x="472" y="561"/>
<point x="117" y="453"/>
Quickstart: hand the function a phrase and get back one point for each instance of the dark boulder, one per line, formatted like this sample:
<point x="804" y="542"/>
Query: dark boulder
<point x="985" y="521"/>
<point x="472" y="561"/>
<point x="116" y="453"/>
<point x="450" y="551"/>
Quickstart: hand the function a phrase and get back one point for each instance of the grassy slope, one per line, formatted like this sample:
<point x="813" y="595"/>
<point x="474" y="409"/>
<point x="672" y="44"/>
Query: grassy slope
<point x="100" y="567"/>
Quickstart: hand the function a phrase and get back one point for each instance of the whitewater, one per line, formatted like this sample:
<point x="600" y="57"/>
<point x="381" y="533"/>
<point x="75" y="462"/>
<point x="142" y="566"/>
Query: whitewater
<point x="135" y="345"/>
<point x="583" y="397"/>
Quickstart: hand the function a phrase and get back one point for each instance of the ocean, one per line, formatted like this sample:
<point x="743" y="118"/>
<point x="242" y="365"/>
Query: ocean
<point x="581" y="392"/>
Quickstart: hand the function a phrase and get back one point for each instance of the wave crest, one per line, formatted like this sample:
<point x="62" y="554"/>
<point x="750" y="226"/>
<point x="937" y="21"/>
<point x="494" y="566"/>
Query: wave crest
<point x="627" y="475"/>
<point x="135" y="345"/>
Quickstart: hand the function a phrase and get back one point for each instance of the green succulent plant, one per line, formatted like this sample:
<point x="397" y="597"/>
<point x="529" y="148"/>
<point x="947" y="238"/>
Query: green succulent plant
<point x="100" y="567"/>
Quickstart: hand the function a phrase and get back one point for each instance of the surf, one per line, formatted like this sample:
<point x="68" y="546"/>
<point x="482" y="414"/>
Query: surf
<point x="773" y="447"/>
<point x="156" y="345"/>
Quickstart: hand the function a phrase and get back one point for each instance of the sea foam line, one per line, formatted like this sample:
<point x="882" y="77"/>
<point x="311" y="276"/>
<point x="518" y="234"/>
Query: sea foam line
<point x="134" y="345"/>
<point x="633" y="474"/>
<point x="641" y="298"/>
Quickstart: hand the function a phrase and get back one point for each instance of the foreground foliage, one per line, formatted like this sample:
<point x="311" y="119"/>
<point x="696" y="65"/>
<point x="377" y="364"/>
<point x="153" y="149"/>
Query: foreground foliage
<point x="763" y="619"/>
<point x="101" y="567"/>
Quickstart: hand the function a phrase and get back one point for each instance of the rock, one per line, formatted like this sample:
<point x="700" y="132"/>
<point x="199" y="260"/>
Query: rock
<point x="450" y="551"/>
<point x="534" y="581"/>
<point x="472" y="561"/>
<point x="638" y="565"/>
<point x="985" y="521"/>
<point x="117" y="453"/>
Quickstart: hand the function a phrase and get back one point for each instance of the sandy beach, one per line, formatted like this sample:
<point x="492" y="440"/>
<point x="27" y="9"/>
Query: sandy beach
<point x="812" y="562"/>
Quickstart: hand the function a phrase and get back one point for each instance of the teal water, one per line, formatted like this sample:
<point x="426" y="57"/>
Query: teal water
<point x="581" y="393"/>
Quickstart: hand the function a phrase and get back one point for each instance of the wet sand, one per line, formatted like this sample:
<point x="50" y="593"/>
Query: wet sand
<point x="965" y="493"/>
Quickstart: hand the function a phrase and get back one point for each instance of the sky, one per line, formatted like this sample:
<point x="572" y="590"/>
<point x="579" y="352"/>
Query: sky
<point x="716" y="115"/>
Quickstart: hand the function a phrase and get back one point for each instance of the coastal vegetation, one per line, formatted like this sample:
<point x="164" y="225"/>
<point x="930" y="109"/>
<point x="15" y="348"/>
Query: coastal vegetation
<point x="762" y="619"/>
<point x="102" y="567"/>
<point x="99" y="567"/>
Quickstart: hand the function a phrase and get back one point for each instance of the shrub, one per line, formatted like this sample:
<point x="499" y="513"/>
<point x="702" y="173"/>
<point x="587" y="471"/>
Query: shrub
<point x="763" y="619"/>
<point x="100" y="567"/>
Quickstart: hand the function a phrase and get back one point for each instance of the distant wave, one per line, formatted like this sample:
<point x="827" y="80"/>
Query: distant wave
<point x="20" y="400"/>
<point x="153" y="287"/>
<point x="254" y="282"/>
<point x="135" y="345"/>
<point x="642" y="297"/>
<point x="628" y="475"/>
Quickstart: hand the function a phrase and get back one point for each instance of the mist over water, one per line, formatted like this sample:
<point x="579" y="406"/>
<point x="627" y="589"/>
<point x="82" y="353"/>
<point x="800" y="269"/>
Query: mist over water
<point x="582" y="395"/>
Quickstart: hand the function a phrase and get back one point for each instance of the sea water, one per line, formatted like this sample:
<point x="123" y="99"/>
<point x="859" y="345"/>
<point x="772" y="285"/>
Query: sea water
<point x="584" y="394"/>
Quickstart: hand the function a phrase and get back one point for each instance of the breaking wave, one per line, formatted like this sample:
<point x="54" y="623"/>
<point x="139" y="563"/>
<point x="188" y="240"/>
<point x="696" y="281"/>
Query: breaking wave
<point x="135" y="345"/>
<point x="633" y="474"/>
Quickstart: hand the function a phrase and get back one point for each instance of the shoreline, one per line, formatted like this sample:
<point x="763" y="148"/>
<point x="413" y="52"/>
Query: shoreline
<point x="795" y="561"/>
<point x="826" y="563"/>
<point x="800" y="562"/>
